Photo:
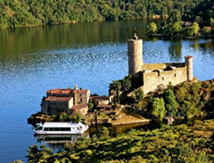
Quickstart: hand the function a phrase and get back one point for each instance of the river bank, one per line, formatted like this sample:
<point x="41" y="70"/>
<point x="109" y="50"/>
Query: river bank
<point x="164" y="37"/>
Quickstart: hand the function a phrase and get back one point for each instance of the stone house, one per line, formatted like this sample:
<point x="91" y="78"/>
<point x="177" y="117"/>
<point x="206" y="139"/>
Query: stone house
<point x="101" y="101"/>
<point x="66" y="100"/>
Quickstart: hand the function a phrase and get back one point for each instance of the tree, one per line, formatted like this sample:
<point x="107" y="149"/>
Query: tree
<point x="176" y="27"/>
<point x="138" y="95"/>
<point x="158" y="108"/>
<point x="17" y="161"/>
<point x="37" y="155"/>
<point x="194" y="29"/>
<point x="103" y="133"/>
<point x="152" y="28"/>
<point x="170" y="102"/>
<point x="126" y="83"/>
<point x="116" y="86"/>
<point x="206" y="30"/>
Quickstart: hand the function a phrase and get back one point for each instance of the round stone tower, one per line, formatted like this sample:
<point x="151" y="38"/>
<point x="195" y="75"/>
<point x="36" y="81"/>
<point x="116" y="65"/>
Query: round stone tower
<point x="135" y="53"/>
<point x="189" y="64"/>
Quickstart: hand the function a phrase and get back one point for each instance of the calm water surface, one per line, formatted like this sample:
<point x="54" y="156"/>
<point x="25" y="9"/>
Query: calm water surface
<point x="33" y="60"/>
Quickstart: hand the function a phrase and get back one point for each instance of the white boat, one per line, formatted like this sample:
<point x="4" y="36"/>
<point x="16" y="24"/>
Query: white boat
<point x="60" y="128"/>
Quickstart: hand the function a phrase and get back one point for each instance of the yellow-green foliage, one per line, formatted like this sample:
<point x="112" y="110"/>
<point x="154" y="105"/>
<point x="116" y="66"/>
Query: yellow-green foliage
<point x="191" y="142"/>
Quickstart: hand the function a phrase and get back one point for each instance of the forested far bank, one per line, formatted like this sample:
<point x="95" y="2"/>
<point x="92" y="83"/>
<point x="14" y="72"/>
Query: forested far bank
<point x="23" y="13"/>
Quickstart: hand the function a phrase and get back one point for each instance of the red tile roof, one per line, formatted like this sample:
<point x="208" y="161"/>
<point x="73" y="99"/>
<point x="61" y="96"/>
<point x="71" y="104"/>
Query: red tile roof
<point x="60" y="91"/>
<point x="188" y="56"/>
<point x="66" y="91"/>
<point x="55" y="98"/>
<point x="79" y="106"/>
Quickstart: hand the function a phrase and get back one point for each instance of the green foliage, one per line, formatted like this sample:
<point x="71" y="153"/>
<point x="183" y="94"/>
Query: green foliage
<point x="90" y="106"/>
<point x="137" y="95"/>
<point x="36" y="12"/>
<point x="17" y="161"/>
<point x="171" y="104"/>
<point x="194" y="29"/>
<point x="176" y="27"/>
<point x="152" y="28"/>
<point x="82" y="143"/>
<point x="181" y="143"/>
<point x="103" y="133"/>
<point x="158" y="108"/>
<point x="38" y="155"/>
<point x="79" y="118"/>
<point x="126" y="83"/>
<point x="206" y="30"/>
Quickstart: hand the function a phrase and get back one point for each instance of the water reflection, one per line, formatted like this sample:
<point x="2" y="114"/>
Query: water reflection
<point x="59" y="139"/>
<point x="119" y="129"/>
<point x="56" y="139"/>
<point x="207" y="46"/>
<point x="175" y="49"/>
<point x="20" y="41"/>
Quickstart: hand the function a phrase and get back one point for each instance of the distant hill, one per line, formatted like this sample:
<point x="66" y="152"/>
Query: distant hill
<point x="19" y="13"/>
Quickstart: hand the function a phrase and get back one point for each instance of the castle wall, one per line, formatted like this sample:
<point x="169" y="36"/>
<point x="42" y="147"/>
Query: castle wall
<point x="161" y="66"/>
<point x="159" y="79"/>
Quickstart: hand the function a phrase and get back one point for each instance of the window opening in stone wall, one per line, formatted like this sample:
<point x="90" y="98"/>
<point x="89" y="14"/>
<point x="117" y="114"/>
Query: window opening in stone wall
<point x="174" y="75"/>
<point x="162" y="78"/>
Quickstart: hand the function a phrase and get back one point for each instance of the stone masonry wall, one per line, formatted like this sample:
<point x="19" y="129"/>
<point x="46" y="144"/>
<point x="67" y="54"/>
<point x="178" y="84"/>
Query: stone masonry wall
<point x="135" y="55"/>
<point x="55" y="107"/>
<point x="155" y="80"/>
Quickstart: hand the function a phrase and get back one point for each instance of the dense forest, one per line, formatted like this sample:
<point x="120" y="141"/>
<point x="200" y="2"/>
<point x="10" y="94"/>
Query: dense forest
<point x="17" y="13"/>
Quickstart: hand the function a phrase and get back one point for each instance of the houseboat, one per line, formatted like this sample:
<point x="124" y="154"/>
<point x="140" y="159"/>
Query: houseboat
<point x="49" y="128"/>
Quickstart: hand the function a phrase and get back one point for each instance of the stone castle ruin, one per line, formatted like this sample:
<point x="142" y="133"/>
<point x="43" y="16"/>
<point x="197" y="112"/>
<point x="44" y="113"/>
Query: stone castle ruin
<point x="157" y="75"/>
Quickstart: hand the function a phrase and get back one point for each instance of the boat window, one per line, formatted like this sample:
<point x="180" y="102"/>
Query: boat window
<point x="56" y="129"/>
<point x="51" y="129"/>
<point x="38" y="128"/>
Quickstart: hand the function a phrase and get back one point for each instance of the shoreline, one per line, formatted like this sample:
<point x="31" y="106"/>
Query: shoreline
<point x="162" y="37"/>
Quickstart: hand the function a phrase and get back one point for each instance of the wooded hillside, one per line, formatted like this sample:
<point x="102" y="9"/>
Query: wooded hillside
<point x="16" y="13"/>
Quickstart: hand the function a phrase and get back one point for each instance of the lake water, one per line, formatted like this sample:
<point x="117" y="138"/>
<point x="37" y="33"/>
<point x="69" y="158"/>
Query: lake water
<point x="91" y="55"/>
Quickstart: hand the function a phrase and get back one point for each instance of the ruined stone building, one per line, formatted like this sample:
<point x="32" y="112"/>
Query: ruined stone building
<point x="66" y="100"/>
<point x="153" y="77"/>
